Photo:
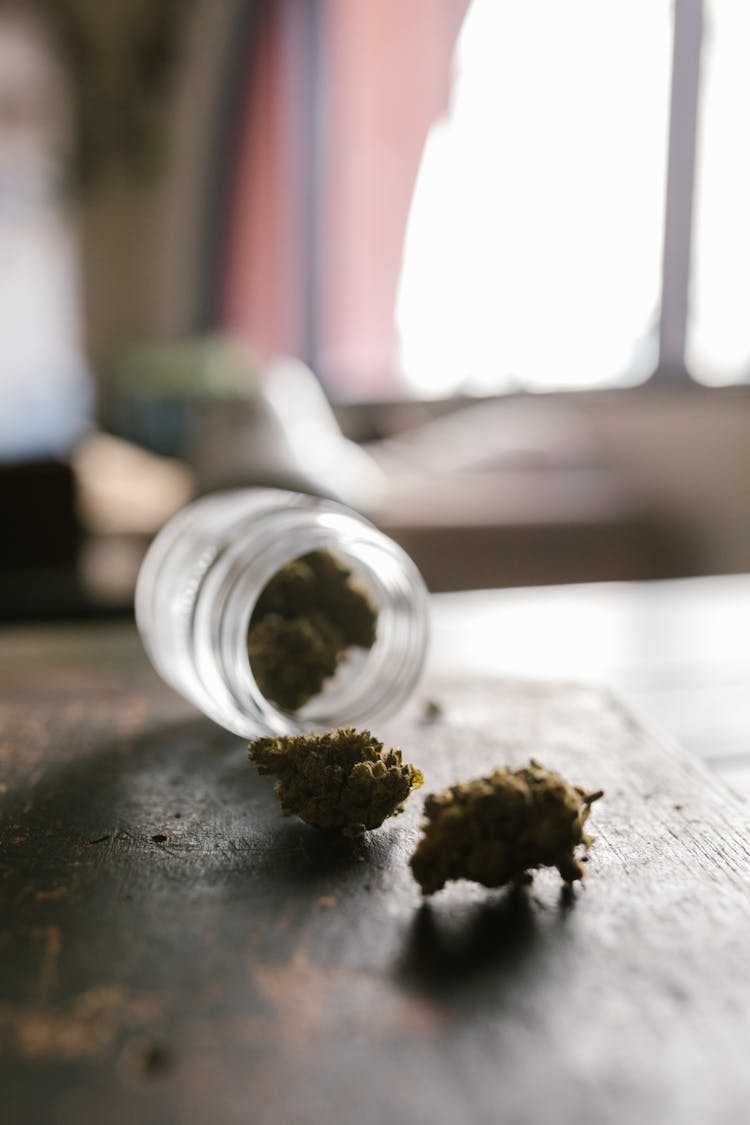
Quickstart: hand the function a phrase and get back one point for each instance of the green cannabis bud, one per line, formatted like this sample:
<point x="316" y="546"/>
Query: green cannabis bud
<point x="304" y="622"/>
<point x="496" y="829"/>
<point x="291" y="660"/>
<point x="343" y="780"/>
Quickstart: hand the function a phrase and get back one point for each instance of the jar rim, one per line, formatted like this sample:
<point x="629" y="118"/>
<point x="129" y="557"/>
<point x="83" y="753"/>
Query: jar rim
<point x="371" y="684"/>
<point x="206" y="569"/>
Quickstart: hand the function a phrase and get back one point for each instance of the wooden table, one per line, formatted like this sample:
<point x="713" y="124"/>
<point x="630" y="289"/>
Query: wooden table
<point x="677" y="652"/>
<point x="172" y="950"/>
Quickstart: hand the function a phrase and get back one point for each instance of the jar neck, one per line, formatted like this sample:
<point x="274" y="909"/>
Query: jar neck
<point x="371" y="684"/>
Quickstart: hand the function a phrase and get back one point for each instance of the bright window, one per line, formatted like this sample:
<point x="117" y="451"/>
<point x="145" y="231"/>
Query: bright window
<point x="45" y="396"/>
<point x="435" y="196"/>
<point x="533" y="252"/>
<point x="718" y="338"/>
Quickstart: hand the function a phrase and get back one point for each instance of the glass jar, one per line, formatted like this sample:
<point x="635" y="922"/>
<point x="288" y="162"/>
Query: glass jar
<point x="203" y="574"/>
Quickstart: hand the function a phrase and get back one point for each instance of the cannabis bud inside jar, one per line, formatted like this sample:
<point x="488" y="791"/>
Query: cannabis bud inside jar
<point x="496" y="829"/>
<point x="344" y="780"/>
<point x="306" y="620"/>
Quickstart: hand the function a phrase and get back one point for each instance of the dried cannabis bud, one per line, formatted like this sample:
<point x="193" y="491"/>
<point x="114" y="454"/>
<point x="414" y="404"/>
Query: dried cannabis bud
<point x="343" y="780"/>
<point x="304" y="622"/>
<point x="496" y="829"/>
<point x="291" y="660"/>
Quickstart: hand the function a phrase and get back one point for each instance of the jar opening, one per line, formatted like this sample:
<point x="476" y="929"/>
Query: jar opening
<point x="206" y="572"/>
<point x="367" y="679"/>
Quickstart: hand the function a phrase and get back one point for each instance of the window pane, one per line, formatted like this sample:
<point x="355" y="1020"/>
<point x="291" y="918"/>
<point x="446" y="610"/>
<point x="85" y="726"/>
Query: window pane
<point x="718" y="337"/>
<point x="533" y="250"/>
<point x="45" y="398"/>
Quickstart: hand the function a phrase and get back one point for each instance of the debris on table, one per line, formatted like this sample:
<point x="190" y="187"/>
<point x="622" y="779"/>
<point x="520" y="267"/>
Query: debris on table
<point x="305" y="621"/>
<point x="432" y="711"/>
<point x="343" y="780"/>
<point x="496" y="829"/>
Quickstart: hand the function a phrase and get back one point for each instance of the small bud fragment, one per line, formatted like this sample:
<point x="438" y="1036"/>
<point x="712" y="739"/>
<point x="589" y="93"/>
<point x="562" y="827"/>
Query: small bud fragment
<point x="432" y="711"/>
<point x="496" y="829"/>
<point x="343" y="780"/>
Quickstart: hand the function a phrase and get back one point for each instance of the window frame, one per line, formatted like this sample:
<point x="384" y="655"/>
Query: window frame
<point x="687" y="41"/>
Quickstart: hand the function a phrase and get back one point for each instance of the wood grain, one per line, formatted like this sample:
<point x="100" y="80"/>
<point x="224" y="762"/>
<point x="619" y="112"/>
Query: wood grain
<point x="172" y="950"/>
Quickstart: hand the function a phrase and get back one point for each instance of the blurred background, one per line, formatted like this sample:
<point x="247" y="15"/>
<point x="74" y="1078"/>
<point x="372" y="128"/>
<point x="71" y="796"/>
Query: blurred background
<point x="475" y="267"/>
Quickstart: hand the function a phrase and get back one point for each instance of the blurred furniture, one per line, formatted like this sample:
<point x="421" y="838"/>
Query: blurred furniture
<point x="509" y="527"/>
<point x="40" y="539"/>
<point x="174" y="950"/>
<point x="74" y="531"/>
<point x="516" y="492"/>
<point x="236" y="419"/>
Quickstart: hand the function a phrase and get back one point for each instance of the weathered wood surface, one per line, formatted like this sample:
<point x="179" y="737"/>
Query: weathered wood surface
<point x="173" y="951"/>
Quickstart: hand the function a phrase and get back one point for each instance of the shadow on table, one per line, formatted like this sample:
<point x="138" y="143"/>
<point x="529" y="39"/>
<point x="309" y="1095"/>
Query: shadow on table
<point x="183" y="794"/>
<point x="474" y="952"/>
